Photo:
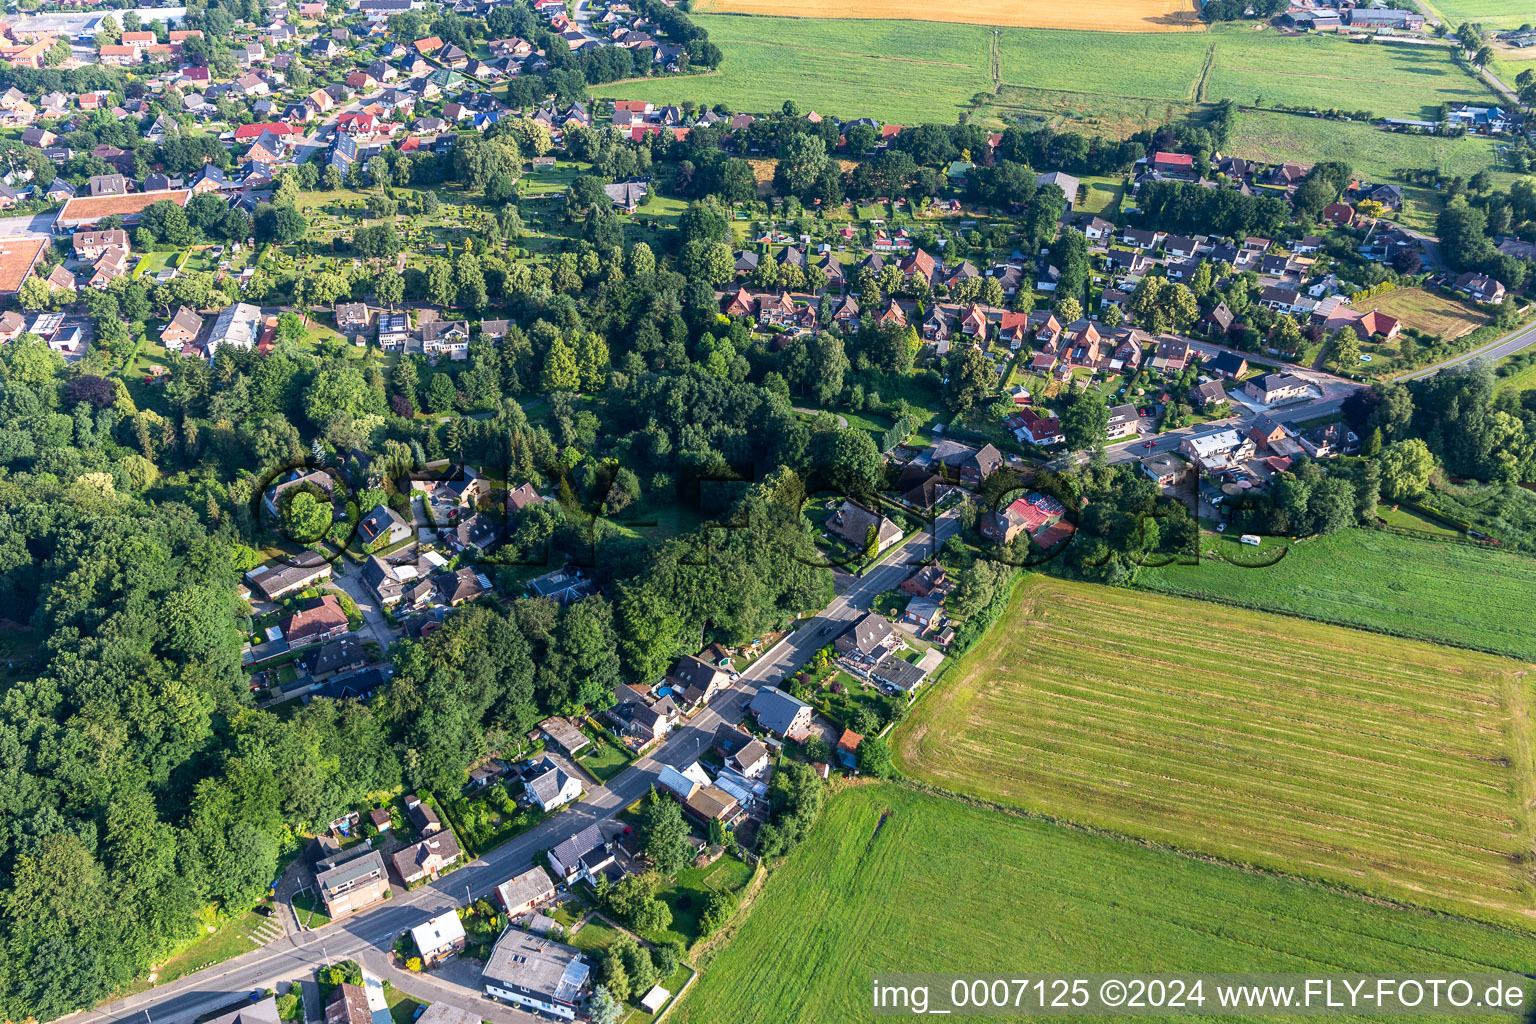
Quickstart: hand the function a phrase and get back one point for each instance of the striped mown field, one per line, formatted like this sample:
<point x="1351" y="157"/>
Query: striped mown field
<point x="1391" y="767"/>
<point x="892" y="880"/>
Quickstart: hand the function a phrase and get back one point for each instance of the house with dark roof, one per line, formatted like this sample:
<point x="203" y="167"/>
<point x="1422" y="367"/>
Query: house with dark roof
<point x="551" y="786"/>
<point x="852" y="522"/>
<point x="428" y="858"/>
<point x="584" y="856"/>
<point x="867" y="640"/>
<point x="781" y="713"/>
<point x="383" y="527"/>
<point x="1228" y="364"/>
<point x="693" y="681"/>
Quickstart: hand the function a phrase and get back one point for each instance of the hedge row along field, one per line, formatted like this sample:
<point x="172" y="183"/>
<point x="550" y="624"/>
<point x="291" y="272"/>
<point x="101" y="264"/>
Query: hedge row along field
<point x="1386" y="766"/>
<point x="947" y="887"/>
<point x="1452" y="593"/>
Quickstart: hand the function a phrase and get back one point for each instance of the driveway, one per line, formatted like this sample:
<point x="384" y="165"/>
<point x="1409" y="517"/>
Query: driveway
<point x="348" y="578"/>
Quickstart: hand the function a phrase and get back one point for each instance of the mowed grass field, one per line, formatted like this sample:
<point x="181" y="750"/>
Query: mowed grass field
<point x="1489" y="13"/>
<point x="1452" y="593"/>
<point x="895" y="71"/>
<point x="943" y="886"/>
<point x="1277" y="137"/>
<point x="1427" y="311"/>
<point x="1395" y="768"/>
<point x="1093" y="15"/>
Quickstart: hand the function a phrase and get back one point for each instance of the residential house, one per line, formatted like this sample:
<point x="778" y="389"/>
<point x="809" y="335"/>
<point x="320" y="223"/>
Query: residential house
<point x="1124" y="421"/>
<point x="551" y="786"/>
<point x="702" y="799"/>
<point x="450" y="337"/>
<point x="1209" y="394"/>
<point x="1030" y="515"/>
<point x="348" y="1005"/>
<point x="439" y="938"/>
<point x="1165" y="469"/>
<point x="585" y="856"/>
<point x="394" y="329"/>
<point x="460" y="586"/>
<point x="740" y="752"/>
<point x="383" y="527"/>
<point x="642" y="715"/>
<point x="279" y="579"/>
<point x="1028" y="425"/>
<point x="320" y="620"/>
<point x="353" y="318"/>
<point x="781" y="713"/>
<point x="563" y="586"/>
<point x="351" y="880"/>
<point x="1228" y="364"/>
<point x="533" y="972"/>
<point x="91" y="245"/>
<point x="182" y="331"/>
<point x="428" y="858"/>
<point x="1272" y="388"/>
<point x="1480" y="287"/>
<point x="852" y="522"/>
<point x="867" y="640"/>
<point x="924" y="612"/>
<point x="522" y="893"/>
<point x="694" y="681"/>
<point x="237" y="326"/>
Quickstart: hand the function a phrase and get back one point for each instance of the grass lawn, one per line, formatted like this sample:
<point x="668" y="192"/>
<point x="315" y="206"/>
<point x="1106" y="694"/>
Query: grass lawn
<point x="1520" y="380"/>
<point x="892" y="880"/>
<point x="1489" y="13"/>
<point x="231" y="938"/>
<point x="604" y="761"/>
<point x="1103" y="195"/>
<point x="594" y="935"/>
<point x="1385" y="766"/>
<point x="310" y="910"/>
<point x="1456" y="593"/>
<point x="689" y="894"/>
<point x="1404" y="519"/>
<point x="402" y="1008"/>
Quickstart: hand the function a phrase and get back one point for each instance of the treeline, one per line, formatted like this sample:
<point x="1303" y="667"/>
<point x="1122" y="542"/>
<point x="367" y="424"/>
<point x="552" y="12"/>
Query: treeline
<point x="1472" y="219"/>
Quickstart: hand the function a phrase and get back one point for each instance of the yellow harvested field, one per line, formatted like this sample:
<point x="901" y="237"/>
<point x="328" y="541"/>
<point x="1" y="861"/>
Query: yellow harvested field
<point x="1100" y="15"/>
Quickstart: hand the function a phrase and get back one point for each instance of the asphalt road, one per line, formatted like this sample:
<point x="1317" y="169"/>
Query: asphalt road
<point x="1506" y="346"/>
<point x="373" y="932"/>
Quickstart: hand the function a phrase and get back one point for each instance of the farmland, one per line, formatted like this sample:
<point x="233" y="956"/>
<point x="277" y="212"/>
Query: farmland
<point x="1431" y="313"/>
<point x="839" y="68"/>
<point x="1375" y="580"/>
<point x="946" y="887"/>
<point x="1119" y="80"/>
<point x="1276" y="137"/>
<point x="1387" y="766"/>
<point x="1096" y="15"/>
<point x="1489" y="13"/>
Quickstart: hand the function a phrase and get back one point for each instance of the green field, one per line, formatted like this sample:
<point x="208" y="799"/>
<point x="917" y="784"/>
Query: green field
<point x="1488" y="13"/>
<point x="842" y="68"/>
<point x="1455" y="593"/>
<point x="1369" y="151"/>
<point x="946" y="887"/>
<point x="1390" y="767"/>
<point x="889" y="70"/>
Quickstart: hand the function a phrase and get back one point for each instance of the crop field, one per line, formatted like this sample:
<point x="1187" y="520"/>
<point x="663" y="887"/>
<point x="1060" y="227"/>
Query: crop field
<point x="1115" y="81"/>
<point x="1455" y="593"/>
<point x="1094" y="15"/>
<point x="894" y="880"/>
<point x="1391" y="767"/>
